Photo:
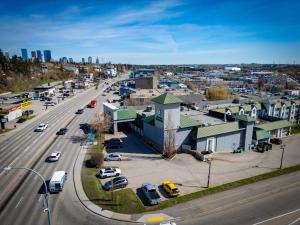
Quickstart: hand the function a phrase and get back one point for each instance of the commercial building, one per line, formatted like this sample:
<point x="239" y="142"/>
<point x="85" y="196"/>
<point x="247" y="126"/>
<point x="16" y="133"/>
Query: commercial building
<point x="47" y="55"/>
<point x="39" y="55"/>
<point x="83" y="60"/>
<point x="166" y="125"/>
<point x="33" y="54"/>
<point x="146" y="82"/>
<point x="90" y="60"/>
<point x="24" y="54"/>
<point x="97" y="60"/>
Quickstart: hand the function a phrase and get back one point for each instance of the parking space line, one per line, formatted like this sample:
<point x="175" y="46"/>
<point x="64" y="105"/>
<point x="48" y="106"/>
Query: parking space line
<point x="156" y="219"/>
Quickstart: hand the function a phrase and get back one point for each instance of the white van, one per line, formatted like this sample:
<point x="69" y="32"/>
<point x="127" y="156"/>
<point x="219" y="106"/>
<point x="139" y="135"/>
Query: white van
<point x="57" y="181"/>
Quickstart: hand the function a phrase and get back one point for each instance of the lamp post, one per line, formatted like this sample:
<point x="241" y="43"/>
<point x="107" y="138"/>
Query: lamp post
<point x="282" y="153"/>
<point x="208" y="177"/>
<point x="46" y="203"/>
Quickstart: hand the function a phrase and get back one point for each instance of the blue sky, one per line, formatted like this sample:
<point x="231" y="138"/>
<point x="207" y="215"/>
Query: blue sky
<point x="156" y="32"/>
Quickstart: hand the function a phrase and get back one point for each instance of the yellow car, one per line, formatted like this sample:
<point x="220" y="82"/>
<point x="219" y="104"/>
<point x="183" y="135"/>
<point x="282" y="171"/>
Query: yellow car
<point x="170" y="188"/>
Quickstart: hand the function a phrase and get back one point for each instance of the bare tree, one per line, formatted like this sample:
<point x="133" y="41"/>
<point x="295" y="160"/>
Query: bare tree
<point x="102" y="123"/>
<point x="170" y="142"/>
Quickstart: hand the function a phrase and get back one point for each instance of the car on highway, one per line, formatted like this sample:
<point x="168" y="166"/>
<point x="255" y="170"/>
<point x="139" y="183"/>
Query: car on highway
<point x="79" y="111"/>
<point x="113" y="157"/>
<point x="41" y="127"/>
<point x="276" y="141"/>
<point x="108" y="172"/>
<point x="49" y="104"/>
<point x="54" y="156"/>
<point x="170" y="188"/>
<point x="150" y="193"/>
<point x="62" y="131"/>
<point x="21" y="120"/>
<point x="116" y="183"/>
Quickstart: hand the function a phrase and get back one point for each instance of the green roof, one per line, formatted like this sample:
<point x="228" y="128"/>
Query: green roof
<point x="186" y="121"/>
<point x="274" y="125"/>
<point x="126" y="114"/>
<point x="167" y="98"/>
<point x="217" y="129"/>
<point x="245" y="118"/>
<point x="261" y="134"/>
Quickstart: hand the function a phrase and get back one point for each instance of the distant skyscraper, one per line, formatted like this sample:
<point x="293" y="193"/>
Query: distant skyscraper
<point x="47" y="55"/>
<point x="24" y="54"/>
<point x="39" y="55"/>
<point x="6" y="55"/>
<point x="63" y="60"/>
<point x="97" y="60"/>
<point x="83" y="60"/>
<point x="71" y="60"/>
<point x="90" y="59"/>
<point x="33" y="54"/>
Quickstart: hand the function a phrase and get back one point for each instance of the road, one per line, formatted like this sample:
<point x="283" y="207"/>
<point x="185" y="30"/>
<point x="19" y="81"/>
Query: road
<point x="271" y="202"/>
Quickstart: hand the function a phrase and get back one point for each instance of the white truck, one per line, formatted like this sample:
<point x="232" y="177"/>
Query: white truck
<point x="57" y="181"/>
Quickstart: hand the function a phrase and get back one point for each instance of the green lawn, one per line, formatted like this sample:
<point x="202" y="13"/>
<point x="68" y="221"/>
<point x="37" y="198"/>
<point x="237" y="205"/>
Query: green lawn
<point x="121" y="201"/>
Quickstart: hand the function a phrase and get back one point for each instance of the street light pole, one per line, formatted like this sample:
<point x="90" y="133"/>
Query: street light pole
<point x="282" y="153"/>
<point x="46" y="203"/>
<point x="208" y="177"/>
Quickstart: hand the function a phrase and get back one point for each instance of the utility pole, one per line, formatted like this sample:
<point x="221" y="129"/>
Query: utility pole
<point x="208" y="177"/>
<point x="282" y="154"/>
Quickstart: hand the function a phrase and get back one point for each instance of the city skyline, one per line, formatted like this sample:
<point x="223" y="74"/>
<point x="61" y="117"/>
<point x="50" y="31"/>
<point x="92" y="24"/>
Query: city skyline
<point x="160" y="32"/>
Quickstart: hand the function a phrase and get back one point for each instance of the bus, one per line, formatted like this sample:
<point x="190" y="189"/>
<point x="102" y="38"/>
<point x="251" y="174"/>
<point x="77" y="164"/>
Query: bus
<point x="57" y="181"/>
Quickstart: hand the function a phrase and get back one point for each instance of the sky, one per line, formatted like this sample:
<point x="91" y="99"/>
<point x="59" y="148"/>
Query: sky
<point x="155" y="32"/>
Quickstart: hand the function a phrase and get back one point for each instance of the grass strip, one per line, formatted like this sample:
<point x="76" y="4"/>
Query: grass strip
<point x="295" y="129"/>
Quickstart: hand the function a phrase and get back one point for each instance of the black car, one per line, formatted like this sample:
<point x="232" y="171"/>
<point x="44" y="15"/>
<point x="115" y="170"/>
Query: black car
<point x="113" y="143"/>
<point x="80" y="111"/>
<point x="21" y="120"/>
<point x="276" y="141"/>
<point x="118" y="182"/>
<point x="62" y="131"/>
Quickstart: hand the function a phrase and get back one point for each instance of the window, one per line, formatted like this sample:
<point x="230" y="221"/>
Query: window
<point x="210" y="145"/>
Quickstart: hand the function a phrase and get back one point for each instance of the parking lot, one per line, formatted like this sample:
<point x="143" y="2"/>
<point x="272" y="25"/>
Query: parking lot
<point x="142" y="164"/>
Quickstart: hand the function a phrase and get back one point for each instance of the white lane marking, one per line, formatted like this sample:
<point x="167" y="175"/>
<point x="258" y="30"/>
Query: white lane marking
<point x="276" y="217"/>
<point x="19" y="202"/>
<point x="295" y="221"/>
<point x="40" y="197"/>
<point x="34" y="141"/>
<point x="26" y="149"/>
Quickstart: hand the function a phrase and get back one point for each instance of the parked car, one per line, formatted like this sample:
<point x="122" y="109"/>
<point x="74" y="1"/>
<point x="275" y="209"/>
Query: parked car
<point x="117" y="182"/>
<point x="113" y="143"/>
<point x="113" y="157"/>
<point x="194" y="107"/>
<point x="263" y="146"/>
<point x="84" y="126"/>
<point x="62" y="131"/>
<point x="54" y="156"/>
<point x="170" y="188"/>
<point x="103" y="94"/>
<point x="276" y="141"/>
<point x="41" y="127"/>
<point x="21" y="120"/>
<point x="79" y="111"/>
<point x="150" y="193"/>
<point x="108" y="172"/>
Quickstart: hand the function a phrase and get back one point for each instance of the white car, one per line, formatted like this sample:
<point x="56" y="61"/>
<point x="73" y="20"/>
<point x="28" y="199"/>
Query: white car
<point x="54" y="156"/>
<point x="195" y="107"/>
<point x="113" y="157"/>
<point x="49" y="104"/>
<point x="109" y="172"/>
<point x="41" y="127"/>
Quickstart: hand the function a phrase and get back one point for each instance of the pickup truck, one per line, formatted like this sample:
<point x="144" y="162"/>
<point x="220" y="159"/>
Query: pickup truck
<point x="150" y="193"/>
